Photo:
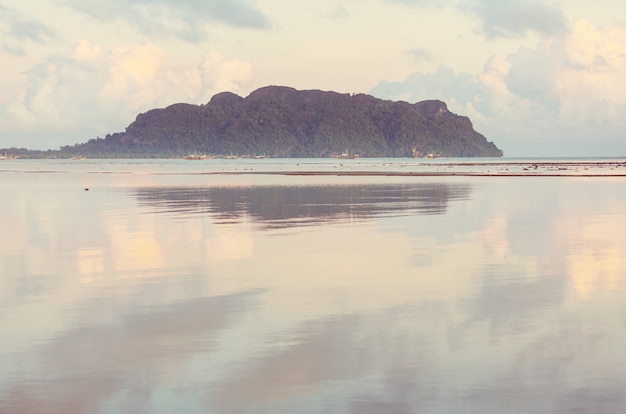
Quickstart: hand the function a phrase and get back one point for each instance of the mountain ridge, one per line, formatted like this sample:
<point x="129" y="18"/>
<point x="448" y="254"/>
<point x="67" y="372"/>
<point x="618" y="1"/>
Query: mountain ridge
<point x="281" y="121"/>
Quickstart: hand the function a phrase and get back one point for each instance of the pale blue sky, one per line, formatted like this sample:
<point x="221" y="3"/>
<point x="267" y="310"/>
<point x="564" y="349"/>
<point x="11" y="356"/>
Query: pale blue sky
<point x="537" y="77"/>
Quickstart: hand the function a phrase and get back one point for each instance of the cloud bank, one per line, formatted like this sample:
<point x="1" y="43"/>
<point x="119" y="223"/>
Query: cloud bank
<point x="558" y="98"/>
<point x="514" y="18"/>
<point x="102" y="92"/>
<point x="188" y="20"/>
<point x="498" y="18"/>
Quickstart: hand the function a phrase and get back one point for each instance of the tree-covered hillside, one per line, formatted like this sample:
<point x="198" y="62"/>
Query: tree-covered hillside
<point x="284" y="122"/>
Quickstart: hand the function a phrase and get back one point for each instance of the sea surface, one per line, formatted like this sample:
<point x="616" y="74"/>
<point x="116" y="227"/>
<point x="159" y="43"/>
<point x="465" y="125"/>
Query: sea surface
<point x="313" y="286"/>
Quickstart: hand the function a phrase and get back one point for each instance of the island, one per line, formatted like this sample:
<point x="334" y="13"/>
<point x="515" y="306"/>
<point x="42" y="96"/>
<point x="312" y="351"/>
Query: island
<point x="279" y="121"/>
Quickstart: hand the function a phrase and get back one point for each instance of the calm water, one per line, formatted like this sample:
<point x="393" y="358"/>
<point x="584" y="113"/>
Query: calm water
<point x="169" y="287"/>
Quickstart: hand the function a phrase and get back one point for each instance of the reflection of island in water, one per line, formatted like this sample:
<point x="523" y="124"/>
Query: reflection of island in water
<point x="286" y="206"/>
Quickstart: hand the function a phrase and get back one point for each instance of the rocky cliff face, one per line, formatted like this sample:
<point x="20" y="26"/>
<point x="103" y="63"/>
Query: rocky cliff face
<point x="282" y="121"/>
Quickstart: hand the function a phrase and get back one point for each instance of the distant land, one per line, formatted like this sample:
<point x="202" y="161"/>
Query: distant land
<point x="278" y="121"/>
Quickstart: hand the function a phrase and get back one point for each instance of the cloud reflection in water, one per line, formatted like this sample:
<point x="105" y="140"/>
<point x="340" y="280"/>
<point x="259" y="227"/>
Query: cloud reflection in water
<point x="435" y="296"/>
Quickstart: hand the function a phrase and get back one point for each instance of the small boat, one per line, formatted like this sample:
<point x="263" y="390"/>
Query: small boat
<point x="347" y="156"/>
<point x="78" y="157"/>
<point x="194" y="156"/>
<point x="8" y="157"/>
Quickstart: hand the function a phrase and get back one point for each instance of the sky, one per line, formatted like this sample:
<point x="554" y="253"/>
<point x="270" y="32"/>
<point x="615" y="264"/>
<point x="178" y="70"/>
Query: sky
<point x="536" y="77"/>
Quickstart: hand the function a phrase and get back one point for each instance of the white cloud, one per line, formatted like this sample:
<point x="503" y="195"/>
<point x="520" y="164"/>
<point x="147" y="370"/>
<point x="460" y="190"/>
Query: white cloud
<point x="88" y="93"/>
<point x="420" y="55"/>
<point x="442" y="84"/>
<point x="132" y="71"/>
<point x="86" y="51"/>
<point x="566" y="96"/>
<point x="221" y="74"/>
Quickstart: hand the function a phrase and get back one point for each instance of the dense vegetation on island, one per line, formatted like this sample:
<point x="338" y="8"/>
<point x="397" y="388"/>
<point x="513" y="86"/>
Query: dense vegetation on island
<point x="279" y="121"/>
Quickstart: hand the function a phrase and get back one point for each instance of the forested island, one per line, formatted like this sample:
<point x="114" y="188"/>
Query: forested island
<point x="278" y="121"/>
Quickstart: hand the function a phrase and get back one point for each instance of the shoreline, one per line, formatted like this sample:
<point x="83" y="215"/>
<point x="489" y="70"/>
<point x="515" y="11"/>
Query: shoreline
<point x="349" y="168"/>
